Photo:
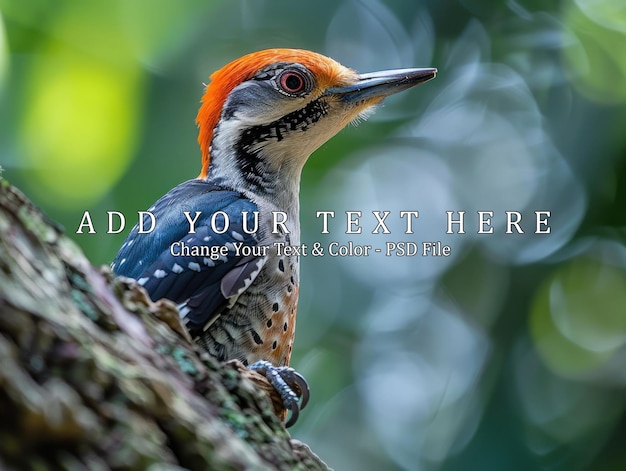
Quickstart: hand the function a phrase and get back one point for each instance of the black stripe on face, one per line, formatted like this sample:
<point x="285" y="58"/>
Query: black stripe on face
<point x="299" y="120"/>
<point x="248" y="158"/>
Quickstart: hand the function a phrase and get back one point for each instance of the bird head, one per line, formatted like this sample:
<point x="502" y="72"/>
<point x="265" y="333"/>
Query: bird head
<point x="269" y="110"/>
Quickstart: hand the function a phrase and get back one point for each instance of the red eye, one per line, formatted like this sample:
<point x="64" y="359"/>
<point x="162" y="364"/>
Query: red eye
<point x="292" y="82"/>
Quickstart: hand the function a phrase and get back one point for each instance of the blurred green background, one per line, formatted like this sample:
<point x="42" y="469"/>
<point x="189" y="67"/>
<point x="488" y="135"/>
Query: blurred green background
<point x="510" y="353"/>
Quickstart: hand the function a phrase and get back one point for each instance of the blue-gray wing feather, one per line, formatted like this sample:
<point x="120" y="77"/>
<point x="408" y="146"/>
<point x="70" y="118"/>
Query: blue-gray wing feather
<point x="200" y="285"/>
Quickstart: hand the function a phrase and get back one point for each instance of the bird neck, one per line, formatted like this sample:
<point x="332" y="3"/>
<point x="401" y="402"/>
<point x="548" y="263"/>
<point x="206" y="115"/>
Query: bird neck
<point x="263" y="176"/>
<point x="260" y="162"/>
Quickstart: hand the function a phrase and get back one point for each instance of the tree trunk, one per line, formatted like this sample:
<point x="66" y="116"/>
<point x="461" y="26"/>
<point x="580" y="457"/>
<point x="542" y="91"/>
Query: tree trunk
<point x="93" y="375"/>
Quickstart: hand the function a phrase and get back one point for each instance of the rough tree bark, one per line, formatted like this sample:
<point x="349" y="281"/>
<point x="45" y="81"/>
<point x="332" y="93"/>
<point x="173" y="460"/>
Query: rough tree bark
<point x="93" y="375"/>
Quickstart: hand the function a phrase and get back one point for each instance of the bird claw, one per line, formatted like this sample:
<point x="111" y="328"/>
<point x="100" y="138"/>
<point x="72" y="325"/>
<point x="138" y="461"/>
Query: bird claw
<point x="289" y="384"/>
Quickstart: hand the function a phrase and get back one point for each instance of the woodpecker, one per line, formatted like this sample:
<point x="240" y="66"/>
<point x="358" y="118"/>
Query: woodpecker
<point x="260" y="118"/>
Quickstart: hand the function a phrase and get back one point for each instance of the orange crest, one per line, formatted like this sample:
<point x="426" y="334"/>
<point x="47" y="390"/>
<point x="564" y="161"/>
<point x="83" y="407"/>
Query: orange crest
<point x="327" y="73"/>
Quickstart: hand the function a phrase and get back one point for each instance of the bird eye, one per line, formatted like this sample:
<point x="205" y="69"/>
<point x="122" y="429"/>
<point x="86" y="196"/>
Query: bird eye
<point x="292" y="82"/>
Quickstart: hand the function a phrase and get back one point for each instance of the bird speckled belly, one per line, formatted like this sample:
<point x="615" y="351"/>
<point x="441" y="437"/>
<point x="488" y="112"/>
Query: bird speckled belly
<point x="261" y="324"/>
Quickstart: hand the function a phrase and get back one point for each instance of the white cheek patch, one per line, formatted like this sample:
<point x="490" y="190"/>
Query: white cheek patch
<point x="257" y="103"/>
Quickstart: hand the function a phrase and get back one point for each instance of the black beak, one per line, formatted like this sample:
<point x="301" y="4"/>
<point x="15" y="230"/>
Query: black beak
<point x="382" y="84"/>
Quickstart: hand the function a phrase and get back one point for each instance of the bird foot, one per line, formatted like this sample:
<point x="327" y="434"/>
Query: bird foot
<point x="288" y="383"/>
